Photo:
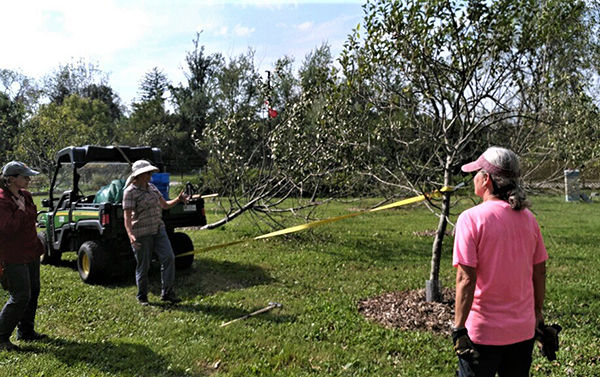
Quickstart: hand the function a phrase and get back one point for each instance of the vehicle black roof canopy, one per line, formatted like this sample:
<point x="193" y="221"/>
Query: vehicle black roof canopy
<point x="80" y="156"/>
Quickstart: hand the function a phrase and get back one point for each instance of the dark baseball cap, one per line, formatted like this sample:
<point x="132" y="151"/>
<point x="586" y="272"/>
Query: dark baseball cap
<point x="18" y="168"/>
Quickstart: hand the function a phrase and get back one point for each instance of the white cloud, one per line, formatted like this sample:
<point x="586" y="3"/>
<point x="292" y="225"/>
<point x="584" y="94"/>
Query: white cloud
<point x="126" y="38"/>
<point x="54" y="32"/>
<point x="243" y="31"/>
<point x="305" y="25"/>
<point x="210" y="27"/>
<point x="321" y="32"/>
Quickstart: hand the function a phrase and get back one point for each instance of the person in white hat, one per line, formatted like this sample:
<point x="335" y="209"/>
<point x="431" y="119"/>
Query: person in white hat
<point x="142" y="206"/>
<point x="20" y="251"/>
<point x="500" y="259"/>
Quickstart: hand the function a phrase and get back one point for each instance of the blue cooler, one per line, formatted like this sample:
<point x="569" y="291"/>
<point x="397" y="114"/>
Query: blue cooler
<point x="161" y="181"/>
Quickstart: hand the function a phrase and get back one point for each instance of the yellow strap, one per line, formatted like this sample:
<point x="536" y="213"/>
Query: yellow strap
<point x="297" y="228"/>
<point x="313" y="224"/>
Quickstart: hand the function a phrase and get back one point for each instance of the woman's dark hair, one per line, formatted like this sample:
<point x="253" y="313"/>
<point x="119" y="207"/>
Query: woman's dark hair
<point x="4" y="181"/>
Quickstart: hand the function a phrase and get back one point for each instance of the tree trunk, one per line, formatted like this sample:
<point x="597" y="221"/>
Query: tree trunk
<point x="433" y="291"/>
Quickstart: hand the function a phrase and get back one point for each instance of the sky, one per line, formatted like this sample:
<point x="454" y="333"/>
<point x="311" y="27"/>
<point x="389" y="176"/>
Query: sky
<point x="127" y="38"/>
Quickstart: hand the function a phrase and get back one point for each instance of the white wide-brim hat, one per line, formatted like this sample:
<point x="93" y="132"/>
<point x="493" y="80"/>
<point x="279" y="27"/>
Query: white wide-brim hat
<point x="140" y="167"/>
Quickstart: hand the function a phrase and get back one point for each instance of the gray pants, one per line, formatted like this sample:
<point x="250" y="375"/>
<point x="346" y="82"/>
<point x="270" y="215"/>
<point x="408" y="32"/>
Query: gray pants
<point x="23" y="280"/>
<point x="160" y="244"/>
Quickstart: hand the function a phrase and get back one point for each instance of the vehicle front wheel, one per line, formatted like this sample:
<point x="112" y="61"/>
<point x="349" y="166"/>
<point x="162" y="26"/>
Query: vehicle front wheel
<point x="91" y="262"/>
<point x="48" y="258"/>
<point x="181" y="243"/>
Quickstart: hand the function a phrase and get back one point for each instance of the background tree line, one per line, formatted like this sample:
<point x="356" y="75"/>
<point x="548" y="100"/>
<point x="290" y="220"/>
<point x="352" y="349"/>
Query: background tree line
<point x="421" y="87"/>
<point x="409" y="78"/>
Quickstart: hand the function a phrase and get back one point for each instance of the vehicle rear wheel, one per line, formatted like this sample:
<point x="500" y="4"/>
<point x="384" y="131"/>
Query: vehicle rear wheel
<point x="46" y="258"/>
<point x="181" y="243"/>
<point x="91" y="262"/>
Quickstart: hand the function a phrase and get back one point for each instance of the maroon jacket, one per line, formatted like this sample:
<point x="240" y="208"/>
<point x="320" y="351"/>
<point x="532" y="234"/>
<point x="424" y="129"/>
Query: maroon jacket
<point x="18" y="238"/>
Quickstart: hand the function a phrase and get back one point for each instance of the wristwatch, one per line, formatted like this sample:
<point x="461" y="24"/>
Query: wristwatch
<point x="457" y="332"/>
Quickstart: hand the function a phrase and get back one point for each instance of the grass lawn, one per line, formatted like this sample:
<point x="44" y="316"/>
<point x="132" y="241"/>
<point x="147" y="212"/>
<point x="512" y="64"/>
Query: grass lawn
<point x="319" y="276"/>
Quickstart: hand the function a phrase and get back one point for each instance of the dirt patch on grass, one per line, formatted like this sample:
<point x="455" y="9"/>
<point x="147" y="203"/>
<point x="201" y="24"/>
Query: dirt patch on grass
<point x="408" y="310"/>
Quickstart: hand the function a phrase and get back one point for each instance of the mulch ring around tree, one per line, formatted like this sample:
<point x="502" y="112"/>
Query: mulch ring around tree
<point x="408" y="310"/>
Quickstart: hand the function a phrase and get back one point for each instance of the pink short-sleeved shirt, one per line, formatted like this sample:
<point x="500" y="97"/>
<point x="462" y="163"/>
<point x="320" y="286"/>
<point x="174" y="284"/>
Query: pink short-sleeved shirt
<point x="502" y="245"/>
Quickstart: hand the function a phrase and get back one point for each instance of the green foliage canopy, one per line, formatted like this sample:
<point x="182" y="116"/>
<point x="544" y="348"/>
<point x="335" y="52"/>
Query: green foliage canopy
<point x="77" y="121"/>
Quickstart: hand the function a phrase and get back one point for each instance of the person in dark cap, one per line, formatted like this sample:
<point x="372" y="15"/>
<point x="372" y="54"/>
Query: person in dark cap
<point x="500" y="259"/>
<point x="20" y="251"/>
<point x="142" y="206"/>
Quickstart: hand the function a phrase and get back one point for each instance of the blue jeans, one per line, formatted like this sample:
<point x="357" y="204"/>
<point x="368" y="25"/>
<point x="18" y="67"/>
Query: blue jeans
<point x="513" y="360"/>
<point x="23" y="281"/>
<point x="158" y="243"/>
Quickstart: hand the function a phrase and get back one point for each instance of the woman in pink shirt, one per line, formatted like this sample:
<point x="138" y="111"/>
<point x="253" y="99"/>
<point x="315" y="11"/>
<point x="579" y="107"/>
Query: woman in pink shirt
<point x="500" y="259"/>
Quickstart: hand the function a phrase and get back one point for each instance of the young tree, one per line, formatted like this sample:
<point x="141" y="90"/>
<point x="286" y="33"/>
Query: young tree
<point x="307" y="143"/>
<point x="259" y="161"/>
<point x="444" y="78"/>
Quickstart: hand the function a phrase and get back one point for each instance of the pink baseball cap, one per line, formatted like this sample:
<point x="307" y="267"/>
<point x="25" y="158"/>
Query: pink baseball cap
<point x="483" y="163"/>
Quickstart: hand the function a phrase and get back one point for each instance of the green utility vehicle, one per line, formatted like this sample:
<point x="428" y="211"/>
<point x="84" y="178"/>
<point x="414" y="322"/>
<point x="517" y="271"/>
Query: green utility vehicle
<point x="84" y="211"/>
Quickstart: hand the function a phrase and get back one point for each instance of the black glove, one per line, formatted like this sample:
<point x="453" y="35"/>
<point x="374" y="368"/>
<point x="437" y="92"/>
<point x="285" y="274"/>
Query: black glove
<point x="463" y="346"/>
<point x="548" y="338"/>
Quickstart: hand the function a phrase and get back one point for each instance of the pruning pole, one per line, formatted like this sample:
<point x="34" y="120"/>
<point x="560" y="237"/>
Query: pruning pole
<point x="271" y="306"/>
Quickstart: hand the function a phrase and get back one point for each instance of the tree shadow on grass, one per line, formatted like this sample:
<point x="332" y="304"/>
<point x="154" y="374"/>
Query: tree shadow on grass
<point x="118" y="358"/>
<point x="209" y="276"/>
<point x="206" y="277"/>
<point x="369" y="252"/>
<point x="120" y="274"/>
<point x="370" y="249"/>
